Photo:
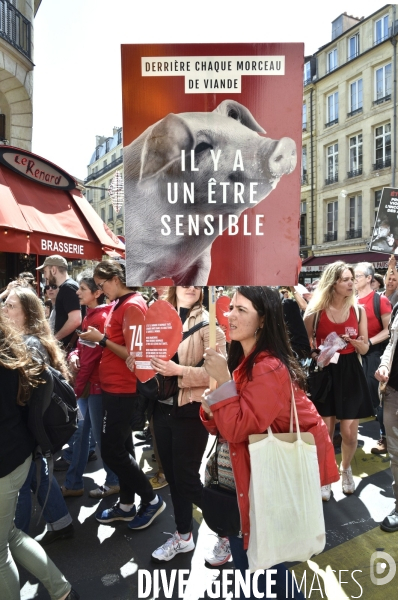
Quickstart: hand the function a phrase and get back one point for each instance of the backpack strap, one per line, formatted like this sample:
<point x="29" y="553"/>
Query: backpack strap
<point x="376" y="308"/>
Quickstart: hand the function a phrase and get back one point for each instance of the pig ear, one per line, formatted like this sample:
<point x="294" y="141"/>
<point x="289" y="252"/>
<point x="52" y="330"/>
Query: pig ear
<point x="231" y="108"/>
<point x="164" y="144"/>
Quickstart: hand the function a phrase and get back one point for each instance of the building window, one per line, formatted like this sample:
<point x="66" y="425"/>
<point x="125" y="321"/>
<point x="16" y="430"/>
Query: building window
<point x="355" y="218"/>
<point x="381" y="29"/>
<point x="332" y="164"/>
<point x="119" y="231"/>
<point x="355" y="155"/>
<point x="304" y="116"/>
<point x="304" y="165"/>
<point x="353" y="46"/>
<point x="332" y="60"/>
<point x="382" y="147"/>
<point x="103" y="214"/>
<point x="356" y="98"/>
<point x="104" y="164"/>
<point x="110" y="212"/>
<point x="382" y="84"/>
<point x="95" y="170"/>
<point x="307" y="73"/>
<point x="377" y="201"/>
<point x="97" y="152"/>
<point x="114" y="157"/>
<point x="332" y="109"/>
<point x="119" y="136"/>
<point x="331" y="221"/>
<point x="107" y="142"/>
<point x="103" y="191"/>
<point x="303" y="224"/>
<point x="121" y="151"/>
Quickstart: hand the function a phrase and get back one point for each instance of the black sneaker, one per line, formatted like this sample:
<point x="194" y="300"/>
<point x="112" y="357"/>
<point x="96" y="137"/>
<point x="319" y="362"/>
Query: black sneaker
<point x="92" y="456"/>
<point x="53" y="535"/>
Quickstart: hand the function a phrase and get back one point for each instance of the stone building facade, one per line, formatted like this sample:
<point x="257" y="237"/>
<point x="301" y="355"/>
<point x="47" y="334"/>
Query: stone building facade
<point x="348" y="137"/>
<point x="16" y="71"/>
<point x="106" y="159"/>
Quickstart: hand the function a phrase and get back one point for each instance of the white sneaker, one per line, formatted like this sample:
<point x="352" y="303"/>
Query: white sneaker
<point x="326" y="492"/>
<point x="347" y="481"/>
<point x="174" y="545"/>
<point x="220" y="554"/>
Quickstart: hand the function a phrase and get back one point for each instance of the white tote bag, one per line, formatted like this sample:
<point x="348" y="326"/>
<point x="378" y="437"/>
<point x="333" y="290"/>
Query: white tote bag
<point x="286" y="511"/>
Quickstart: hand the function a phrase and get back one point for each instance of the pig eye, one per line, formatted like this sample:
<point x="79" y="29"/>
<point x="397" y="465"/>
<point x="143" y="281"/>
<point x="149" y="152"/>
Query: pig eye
<point x="202" y="147"/>
<point x="233" y="114"/>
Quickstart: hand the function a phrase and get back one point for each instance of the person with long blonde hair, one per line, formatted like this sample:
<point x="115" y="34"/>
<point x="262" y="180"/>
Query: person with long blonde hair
<point x="333" y="308"/>
<point x="19" y="372"/>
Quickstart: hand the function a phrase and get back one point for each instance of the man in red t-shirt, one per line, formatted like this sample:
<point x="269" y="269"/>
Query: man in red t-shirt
<point x="378" y="335"/>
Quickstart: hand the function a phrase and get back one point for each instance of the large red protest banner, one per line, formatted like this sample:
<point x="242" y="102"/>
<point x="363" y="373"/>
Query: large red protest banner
<point x="212" y="147"/>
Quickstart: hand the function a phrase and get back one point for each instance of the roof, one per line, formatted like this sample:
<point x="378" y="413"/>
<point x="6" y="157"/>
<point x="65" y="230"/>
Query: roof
<point x="113" y="142"/>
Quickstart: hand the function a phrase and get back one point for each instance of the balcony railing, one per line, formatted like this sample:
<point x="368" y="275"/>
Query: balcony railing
<point x="330" y="237"/>
<point x="354" y="173"/>
<point x="333" y="179"/>
<point x="330" y="123"/>
<point x="104" y="170"/>
<point x="382" y="39"/>
<point x="304" y="179"/>
<point x="14" y="28"/>
<point x="357" y="111"/>
<point x="381" y="100"/>
<point x="353" y="234"/>
<point x="382" y="164"/>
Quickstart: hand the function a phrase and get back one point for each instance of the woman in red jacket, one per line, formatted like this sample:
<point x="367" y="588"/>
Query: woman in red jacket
<point x="255" y="396"/>
<point x="85" y="361"/>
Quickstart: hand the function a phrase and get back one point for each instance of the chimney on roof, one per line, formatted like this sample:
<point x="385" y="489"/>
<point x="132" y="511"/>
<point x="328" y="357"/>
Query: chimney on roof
<point x="99" y="139"/>
<point x="115" y="130"/>
<point x="342" y="23"/>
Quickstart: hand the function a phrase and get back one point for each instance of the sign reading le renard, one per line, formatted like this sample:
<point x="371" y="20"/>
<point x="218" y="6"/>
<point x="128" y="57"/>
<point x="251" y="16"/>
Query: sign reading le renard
<point x="212" y="140"/>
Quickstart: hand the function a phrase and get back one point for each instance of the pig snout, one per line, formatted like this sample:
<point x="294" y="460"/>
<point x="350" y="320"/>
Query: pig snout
<point x="282" y="159"/>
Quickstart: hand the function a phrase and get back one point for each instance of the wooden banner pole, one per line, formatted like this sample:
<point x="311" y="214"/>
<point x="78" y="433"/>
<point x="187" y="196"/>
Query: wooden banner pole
<point x="212" y="326"/>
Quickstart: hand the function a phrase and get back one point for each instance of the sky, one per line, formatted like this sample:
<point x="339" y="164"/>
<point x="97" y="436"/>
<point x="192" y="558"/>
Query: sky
<point x="77" y="76"/>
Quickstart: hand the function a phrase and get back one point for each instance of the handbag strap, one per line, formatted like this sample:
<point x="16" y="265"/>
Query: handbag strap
<point x="293" y="413"/>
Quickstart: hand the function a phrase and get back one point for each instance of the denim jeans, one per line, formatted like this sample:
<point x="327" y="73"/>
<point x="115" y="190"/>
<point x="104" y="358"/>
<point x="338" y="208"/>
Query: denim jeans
<point x="55" y="511"/>
<point x="390" y="405"/>
<point x="91" y="409"/>
<point x="281" y="580"/>
<point x="15" y="545"/>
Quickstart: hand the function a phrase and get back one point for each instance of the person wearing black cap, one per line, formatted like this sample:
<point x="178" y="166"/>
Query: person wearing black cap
<point x="67" y="308"/>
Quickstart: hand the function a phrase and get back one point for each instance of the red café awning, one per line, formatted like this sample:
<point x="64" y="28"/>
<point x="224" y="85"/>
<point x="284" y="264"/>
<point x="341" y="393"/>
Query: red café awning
<point x="38" y="219"/>
<point x="315" y="263"/>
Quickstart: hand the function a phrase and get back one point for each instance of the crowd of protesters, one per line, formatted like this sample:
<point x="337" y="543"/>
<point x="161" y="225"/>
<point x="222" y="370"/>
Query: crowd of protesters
<point x="77" y="328"/>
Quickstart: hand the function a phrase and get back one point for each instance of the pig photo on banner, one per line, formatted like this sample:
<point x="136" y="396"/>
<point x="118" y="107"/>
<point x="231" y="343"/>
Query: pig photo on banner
<point x="385" y="230"/>
<point x="212" y="149"/>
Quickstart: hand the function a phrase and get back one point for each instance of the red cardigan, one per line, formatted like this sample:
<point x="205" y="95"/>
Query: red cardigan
<point x="243" y="407"/>
<point x="90" y="357"/>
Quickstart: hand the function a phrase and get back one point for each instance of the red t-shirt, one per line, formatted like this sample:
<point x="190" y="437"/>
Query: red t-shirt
<point x="373" y="322"/>
<point x="349" y="327"/>
<point x="115" y="377"/>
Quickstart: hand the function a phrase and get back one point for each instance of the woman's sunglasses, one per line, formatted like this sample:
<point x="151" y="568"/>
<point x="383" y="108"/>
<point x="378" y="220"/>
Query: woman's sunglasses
<point x="50" y="287"/>
<point x="197" y="287"/>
